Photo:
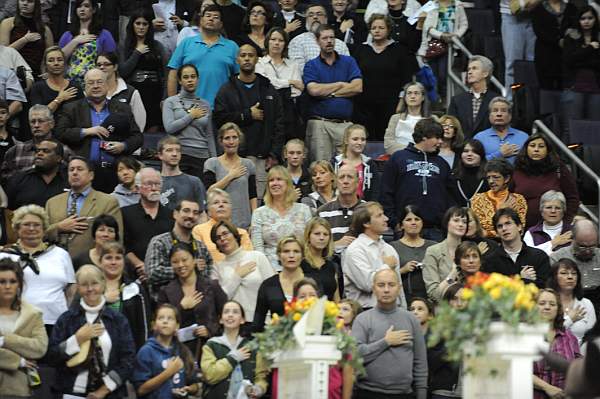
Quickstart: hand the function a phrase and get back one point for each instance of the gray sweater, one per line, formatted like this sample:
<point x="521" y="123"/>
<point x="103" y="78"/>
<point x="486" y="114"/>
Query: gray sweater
<point x="196" y="135"/>
<point x="391" y="370"/>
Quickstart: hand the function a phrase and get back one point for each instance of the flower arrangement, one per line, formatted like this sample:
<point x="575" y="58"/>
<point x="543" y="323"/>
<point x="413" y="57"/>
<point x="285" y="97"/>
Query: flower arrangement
<point x="279" y="336"/>
<point x="485" y="298"/>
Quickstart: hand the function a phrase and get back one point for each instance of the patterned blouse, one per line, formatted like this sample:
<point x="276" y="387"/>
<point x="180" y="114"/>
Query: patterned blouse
<point x="484" y="208"/>
<point x="565" y="344"/>
<point x="268" y="227"/>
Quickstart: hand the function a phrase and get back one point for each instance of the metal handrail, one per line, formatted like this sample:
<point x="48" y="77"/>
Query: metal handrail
<point x="453" y="78"/>
<point x="539" y="125"/>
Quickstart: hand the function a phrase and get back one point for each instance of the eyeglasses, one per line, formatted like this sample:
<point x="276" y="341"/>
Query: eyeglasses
<point x="552" y="208"/>
<point x="494" y="177"/>
<point x="315" y="14"/>
<point x="94" y="82"/>
<point x="585" y="247"/>
<point x="38" y="121"/>
<point x="151" y="184"/>
<point x="11" y="281"/>
<point x="32" y="225"/>
<point x="448" y="126"/>
<point x="223" y="235"/>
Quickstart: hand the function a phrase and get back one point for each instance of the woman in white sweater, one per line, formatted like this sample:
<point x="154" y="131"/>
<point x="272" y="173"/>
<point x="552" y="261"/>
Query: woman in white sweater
<point x="242" y="272"/>
<point x="414" y="106"/>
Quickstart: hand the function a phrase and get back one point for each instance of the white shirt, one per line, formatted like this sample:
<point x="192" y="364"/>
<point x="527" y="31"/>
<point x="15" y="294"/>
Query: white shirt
<point x="552" y="231"/>
<point x="304" y="48"/>
<point x="361" y="260"/>
<point x="280" y="75"/>
<point x="47" y="289"/>
<point x="243" y="290"/>
<point x="580" y="327"/>
<point x="405" y="129"/>
<point x="168" y="37"/>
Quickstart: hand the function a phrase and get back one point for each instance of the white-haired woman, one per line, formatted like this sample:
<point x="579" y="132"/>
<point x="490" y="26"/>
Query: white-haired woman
<point x="91" y="345"/>
<point x="48" y="270"/>
<point x="552" y="232"/>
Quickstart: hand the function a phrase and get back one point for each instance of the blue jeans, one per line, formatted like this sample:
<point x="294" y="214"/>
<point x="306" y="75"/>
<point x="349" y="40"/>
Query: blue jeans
<point x="518" y="43"/>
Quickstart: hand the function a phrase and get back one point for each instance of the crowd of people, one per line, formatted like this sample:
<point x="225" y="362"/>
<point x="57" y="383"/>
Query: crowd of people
<point x="127" y="274"/>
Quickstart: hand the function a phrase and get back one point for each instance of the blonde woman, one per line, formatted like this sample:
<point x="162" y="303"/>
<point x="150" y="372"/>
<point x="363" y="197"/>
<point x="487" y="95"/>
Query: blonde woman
<point x="234" y="174"/>
<point x="453" y="137"/>
<point x="318" y="248"/>
<point x="413" y="106"/>
<point x="280" y="216"/>
<point x="323" y="183"/>
<point x="353" y="146"/>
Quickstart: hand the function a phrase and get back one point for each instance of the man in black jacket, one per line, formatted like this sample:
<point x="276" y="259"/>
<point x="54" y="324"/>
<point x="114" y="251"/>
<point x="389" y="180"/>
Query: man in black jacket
<point x="472" y="108"/>
<point x="514" y="256"/>
<point x="250" y="101"/>
<point x="99" y="129"/>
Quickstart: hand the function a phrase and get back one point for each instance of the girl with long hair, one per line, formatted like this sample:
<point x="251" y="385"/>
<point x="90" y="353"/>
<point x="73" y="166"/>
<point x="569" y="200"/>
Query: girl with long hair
<point x="27" y="33"/>
<point x="226" y="359"/>
<point x="85" y="39"/>
<point x="318" y="248"/>
<point x="468" y="178"/>
<point x="164" y="366"/>
<point x="142" y="64"/>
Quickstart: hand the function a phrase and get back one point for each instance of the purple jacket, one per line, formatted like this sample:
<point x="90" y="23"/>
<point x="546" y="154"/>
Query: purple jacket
<point x="540" y="236"/>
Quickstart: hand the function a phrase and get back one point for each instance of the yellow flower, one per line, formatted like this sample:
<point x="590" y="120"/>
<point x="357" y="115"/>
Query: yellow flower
<point x="274" y="318"/>
<point x="297" y="316"/>
<point x="331" y="309"/>
<point x="467" y="294"/>
<point x="496" y="292"/>
<point x="340" y="324"/>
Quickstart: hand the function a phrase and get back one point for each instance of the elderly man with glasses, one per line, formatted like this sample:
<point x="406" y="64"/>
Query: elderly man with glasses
<point x="585" y="253"/>
<point x="99" y="129"/>
<point x="21" y="156"/>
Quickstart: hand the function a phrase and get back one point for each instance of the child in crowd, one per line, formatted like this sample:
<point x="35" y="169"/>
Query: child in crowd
<point x="126" y="192"/>
<point x="349" y="309"/>
<point x="353" y="146"/>
<point x="294" y="154"/>
<point x="227" y="362"/>
<point x="164" y="368"/>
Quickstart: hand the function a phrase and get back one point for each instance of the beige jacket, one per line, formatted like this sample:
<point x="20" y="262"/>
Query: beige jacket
<point x="437" y="265"/>
<point x="29" y="341"/>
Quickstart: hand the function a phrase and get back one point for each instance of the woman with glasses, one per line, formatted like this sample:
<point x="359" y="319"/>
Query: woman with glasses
<point x="242" y="272"/>
<point x="255" y="26"/>
<point x="452" y="139"/>
<point x="499" y="174"/>
<point x="579" y="312"/>
<point x="119" y="90"/>
<point x="552" y="232"/>
<point x="538" y="169"/>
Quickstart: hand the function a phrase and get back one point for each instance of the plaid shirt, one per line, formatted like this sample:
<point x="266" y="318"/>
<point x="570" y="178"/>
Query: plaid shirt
<point x="20" y="158"/>
<point x="158" y="265"/>
<point x="564" y="344"/>
<point x="476" y="102"/>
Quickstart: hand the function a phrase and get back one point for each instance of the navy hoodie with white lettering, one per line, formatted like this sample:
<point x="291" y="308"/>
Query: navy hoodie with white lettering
<point x="413" y="177"/>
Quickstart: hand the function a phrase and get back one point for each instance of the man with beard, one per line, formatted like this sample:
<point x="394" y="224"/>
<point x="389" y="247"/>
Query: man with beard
<point x="212" y="54"/>
<point x="250" y="101"/>
<point x="45" y="180"/>
<point x="158" y="265"/>
<point x="513" y="256"/>
<point x="501" y="140"/>
<point x="585" y="253"/>
<point x="71" y="214"/>
<point x="304" y="47"/>
<point x="331" y="80"/>
<point x="147" y="218"/>
<point x="21" y="157"/>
